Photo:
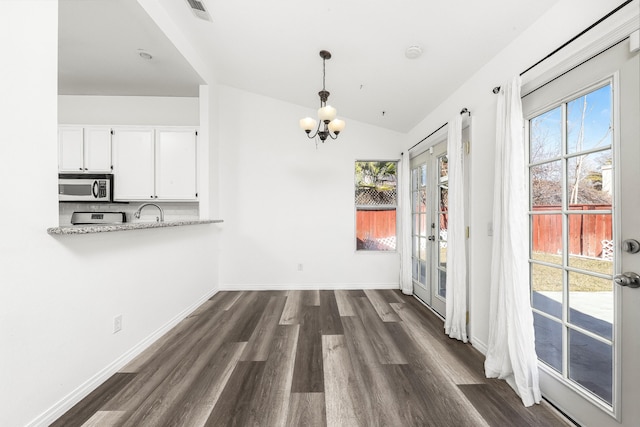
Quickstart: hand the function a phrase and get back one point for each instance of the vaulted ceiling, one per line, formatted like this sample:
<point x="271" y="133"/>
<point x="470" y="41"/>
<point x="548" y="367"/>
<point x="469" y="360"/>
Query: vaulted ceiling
<point x="271" y="48"/>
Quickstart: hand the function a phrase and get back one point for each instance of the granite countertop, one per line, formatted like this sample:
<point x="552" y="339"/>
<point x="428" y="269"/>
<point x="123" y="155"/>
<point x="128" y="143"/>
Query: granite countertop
<point x="96" y="228"/>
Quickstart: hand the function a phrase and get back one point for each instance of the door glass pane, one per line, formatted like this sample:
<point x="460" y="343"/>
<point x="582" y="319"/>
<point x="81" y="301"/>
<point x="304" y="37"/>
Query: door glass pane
<point x="442" y="283"/>
<point x="545" y="136"/>
<point x="589" y="121"/>
<point x="546" y="238"/>
<point x="589" y="180"/>
<point x="414" y="179"/>
<point x="423" y="248"/>
<point x="546" y="289"/>
<point x="546" y="185"/>
<point x="591" y="242"/>
<point x="423" y="225"/>
<point x="591" y="364"/>
<point x="591" y="303"/>
<point x="414" y="274"/>
<point x="444" y="198"/>
<point x="443" y="167"/>
<point x="548" y="341"/>
<point x="423" y="176"/>
<point x="423" y="272"/>
<point x="422" y="200"/>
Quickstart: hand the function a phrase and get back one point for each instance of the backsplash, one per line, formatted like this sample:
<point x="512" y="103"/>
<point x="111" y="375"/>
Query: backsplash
<point x="173" y="211"/>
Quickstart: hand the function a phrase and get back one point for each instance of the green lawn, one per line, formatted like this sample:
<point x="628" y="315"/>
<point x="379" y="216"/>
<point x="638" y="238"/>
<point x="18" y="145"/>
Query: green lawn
<point x="550" y="279"/>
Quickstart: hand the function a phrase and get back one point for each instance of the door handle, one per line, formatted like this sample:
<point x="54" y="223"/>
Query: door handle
<point x="432" y="238"/>
<point x="629" y="279"/>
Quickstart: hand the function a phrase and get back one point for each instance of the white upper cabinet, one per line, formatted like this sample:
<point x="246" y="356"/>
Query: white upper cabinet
<point x="155" y="164"/>
<point x="176" y="164"/>
<point x="97" y="149"/>
<point x="84" y="149"/>
<point x="133" y="164"/>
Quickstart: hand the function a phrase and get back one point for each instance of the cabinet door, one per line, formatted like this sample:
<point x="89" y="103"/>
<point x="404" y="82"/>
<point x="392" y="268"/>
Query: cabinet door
<point x="176" y="164"/>
<point x="70" y="149"/>
<point x="133" y="159"/>
<point x="97" y="149"/>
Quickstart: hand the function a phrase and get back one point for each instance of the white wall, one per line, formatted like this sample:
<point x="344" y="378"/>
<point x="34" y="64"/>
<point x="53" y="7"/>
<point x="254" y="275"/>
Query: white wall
<point x="566" y="19"/>
<point x="287" y="203"/>
<point x="128" y="110"/>
<point x="58" y="295"/>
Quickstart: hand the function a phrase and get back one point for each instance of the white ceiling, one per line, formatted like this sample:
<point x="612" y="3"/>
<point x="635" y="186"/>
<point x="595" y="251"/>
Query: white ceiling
<point x="271" y="48"/>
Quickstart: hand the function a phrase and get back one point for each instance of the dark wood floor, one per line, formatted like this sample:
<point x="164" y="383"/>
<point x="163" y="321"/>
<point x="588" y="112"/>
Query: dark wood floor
<point x="307" y="358"/>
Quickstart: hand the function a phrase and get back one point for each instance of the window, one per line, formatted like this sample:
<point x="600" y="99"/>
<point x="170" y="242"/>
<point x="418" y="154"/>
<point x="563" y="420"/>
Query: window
<point x="376" y="198"/>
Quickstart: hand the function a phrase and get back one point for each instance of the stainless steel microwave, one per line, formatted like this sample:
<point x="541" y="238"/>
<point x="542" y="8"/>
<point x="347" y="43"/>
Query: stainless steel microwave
<point x="85" y="187"/>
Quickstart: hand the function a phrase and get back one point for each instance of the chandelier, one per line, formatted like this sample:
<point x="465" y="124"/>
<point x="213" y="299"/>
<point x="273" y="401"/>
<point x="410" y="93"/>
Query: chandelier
<point x="328" y="125"/>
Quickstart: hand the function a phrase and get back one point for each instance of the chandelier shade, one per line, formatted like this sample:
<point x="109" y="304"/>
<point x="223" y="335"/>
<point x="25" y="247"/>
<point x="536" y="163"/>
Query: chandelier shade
<point x="327" y="126"/>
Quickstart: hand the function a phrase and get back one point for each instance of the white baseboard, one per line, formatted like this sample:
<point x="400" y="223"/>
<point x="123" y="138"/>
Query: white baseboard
<point x="305" y="286"/>
<point x="479" y="345"/>
<point x="67" y="402"/>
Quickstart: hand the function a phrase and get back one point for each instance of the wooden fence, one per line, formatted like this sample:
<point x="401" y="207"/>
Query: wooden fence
<point x="375" y="224"/>
<point x="586" y="232"/>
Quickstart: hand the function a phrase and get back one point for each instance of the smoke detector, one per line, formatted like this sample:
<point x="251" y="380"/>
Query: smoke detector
<point x="198" y="9"/>
<point x="413" y="52"/>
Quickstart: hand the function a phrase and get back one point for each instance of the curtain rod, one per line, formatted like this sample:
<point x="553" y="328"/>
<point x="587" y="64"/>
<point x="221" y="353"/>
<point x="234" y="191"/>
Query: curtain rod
<point x="465" y="110"/>
<point x="589" y="28"/>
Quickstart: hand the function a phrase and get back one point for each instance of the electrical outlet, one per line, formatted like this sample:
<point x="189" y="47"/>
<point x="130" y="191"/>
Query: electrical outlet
<point x="300" y="267"/>
<point x="117" y="323"/>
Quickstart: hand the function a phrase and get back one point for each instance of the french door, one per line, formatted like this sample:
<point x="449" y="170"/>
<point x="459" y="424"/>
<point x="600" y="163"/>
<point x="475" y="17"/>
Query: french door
<point x="429" y="196"/>
<point x="584" y="157"/>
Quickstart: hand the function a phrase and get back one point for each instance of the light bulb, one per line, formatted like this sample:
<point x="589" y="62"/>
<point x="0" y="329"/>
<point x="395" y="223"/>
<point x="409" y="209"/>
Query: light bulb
<point x="308" y="124"/>
<point x="327" y="113"/>
<point x="336" y="126"/>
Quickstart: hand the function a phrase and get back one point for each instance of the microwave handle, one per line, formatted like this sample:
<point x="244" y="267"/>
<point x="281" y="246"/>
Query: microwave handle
<point x="94" y="189"/>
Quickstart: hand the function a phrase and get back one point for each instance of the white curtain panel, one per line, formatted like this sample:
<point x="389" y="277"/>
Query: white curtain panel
<point x="406" y="283"/>
<point x="455" y="324"/>
<point x="511" y="353"/>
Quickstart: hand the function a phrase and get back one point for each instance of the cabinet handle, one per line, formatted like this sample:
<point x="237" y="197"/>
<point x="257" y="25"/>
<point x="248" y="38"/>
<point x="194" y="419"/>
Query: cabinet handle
<point x="79" y="169"/>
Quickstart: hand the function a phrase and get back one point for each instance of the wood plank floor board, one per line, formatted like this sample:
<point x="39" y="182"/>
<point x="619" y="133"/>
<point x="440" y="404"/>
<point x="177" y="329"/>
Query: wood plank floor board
<point x="160" y="403"/>
<point x="292" y="309"/>
<point x="261" y="339"/>
<point x="506" y="410"/>
<point x="247" y="319"/>
<point x="372" y="367"/>
<point x="343" y="300"/>
<point x="270" y="401"/>
<point x="193" y="407"/>
<point x="381" y="407"/>
<point x="232" y="407"/>
<point x="342" y="394"/>
<point x="104" y="419"/>
<point x="473" y="360"/>
<point x="306" y="409"/>
<point x="330" y="323"/>
<point x="441" y="353"/>
<point x="87" y="407"/>
<point x="382" y="342"/>
<point x="391" y="295"/>
<point x="310" y="297"/>
<point x="381" y="306"/>
<point x="308" y="375"/>
<point x="434" y="389"/>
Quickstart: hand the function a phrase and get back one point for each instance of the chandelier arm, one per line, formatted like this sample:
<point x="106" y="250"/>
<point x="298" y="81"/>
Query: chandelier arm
<point x="316" y="132"/>
<point x="333" y="137"/>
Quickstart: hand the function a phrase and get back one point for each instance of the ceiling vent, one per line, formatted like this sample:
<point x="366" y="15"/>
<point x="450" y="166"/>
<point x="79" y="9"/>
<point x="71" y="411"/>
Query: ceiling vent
<point x="198" y="9"/>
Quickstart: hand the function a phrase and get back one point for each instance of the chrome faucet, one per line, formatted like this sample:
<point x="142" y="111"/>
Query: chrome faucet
<point x="160" y="219"/>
